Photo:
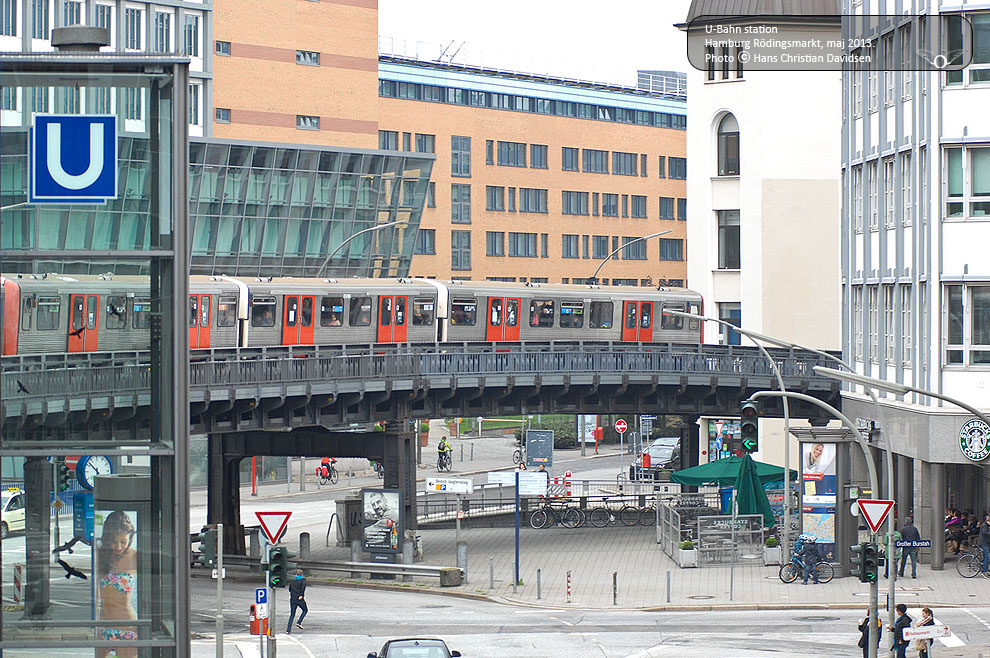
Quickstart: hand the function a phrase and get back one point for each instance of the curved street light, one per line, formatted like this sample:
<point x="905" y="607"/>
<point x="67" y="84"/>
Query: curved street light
<point x="594" y="277"/>
<point x="377" y="227"/>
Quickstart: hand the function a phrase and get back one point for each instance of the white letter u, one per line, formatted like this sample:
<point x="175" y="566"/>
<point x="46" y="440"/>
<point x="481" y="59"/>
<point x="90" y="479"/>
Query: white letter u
<point x="88" y="177"/>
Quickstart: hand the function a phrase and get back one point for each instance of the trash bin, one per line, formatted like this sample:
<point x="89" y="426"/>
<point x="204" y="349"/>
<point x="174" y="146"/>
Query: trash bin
<point x="725" y="494"/>
<point x="258" y="625"/>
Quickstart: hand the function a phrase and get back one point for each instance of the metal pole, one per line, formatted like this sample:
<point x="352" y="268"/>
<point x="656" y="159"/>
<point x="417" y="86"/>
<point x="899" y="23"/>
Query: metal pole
<point x="254" y="481"/>
<point x="288" y="475"/>
<point x="615" y="588"/>
<point x="568" y="585"/>
<point x="268" y="597"/>
<point x="539" y="586"/>
<point x="668" y="585"/>
<point x="732" y="548"/>
<point x="515" y="580"/>
<point x="219" y="590"/>
<point x="491" y="572"/>
<point x="594" y="277"/>
<point x="302" y="474"/>
<point x="457" y="516"/>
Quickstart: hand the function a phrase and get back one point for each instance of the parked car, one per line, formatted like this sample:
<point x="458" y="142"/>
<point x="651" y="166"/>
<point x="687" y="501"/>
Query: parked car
<point x="665" y="453"/>
<point x="415" y="648"/>
<point x="11" y="512"/>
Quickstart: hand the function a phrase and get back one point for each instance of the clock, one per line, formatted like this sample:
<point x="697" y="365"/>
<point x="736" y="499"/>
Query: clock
<point x="87" y="468"/>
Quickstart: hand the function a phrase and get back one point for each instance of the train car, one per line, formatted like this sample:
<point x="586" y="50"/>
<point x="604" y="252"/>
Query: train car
<point x="217" y="312"/>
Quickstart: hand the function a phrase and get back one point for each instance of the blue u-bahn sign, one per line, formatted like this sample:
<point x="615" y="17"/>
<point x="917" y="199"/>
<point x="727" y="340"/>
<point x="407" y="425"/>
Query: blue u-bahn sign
<point x="73" y="158"/>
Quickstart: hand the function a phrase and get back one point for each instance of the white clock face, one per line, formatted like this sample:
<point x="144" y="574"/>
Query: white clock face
<point x="97" y="465"/>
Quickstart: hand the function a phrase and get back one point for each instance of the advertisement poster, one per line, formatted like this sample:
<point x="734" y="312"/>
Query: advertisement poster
<point x="116" y="581"/>
<point x="818" y="494"/>
<point x="382" y="529"/>
<point x="723" y="436"/>
<point x="586" y="425"/>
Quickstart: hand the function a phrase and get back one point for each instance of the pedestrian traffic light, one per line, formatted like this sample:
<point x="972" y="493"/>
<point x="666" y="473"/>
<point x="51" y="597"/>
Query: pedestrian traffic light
<point x="872" y="561"/>
<point x="61" y="476"/>
<point x="207" y="547"/>
<point x="277" y="567"/>
<point x="858" y="565"/>
<point x="749" y="425"/>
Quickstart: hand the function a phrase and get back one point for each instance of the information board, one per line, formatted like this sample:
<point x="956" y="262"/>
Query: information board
<point x="539" y="448"/>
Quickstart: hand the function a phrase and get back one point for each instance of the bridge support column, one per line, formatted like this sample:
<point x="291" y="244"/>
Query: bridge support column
<point x="400" y="470"/>
<point x="224" y="495"/>
<point x="37" y="537"/>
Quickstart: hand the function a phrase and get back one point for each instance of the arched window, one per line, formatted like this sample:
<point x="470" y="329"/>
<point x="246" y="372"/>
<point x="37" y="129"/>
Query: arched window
<point x="728" y="146"/>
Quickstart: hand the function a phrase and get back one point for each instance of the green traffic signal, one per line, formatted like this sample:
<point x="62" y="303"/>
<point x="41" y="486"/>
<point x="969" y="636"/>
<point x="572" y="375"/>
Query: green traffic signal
<point x="276" y="567"/>
<point x="207" y="548"/>
<point x="872" y="561"/>
<point x="749" y="425"/>
<point x="62" y="475"/>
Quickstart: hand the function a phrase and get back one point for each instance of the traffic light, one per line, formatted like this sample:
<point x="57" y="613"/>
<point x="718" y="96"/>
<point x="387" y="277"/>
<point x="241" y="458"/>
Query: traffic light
<point x="858" y="565"/>
<point x="277" y="567"/>
<point x="207" y="548"/>
<point x="62" y="475"/>
<point x="749" y="425"/>
<point x="872" y="561"/>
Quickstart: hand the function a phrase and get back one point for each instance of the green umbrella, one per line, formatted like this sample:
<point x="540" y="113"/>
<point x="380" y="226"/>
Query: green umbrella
<point x="725" y="472"/>
<point x="750" y="496"/>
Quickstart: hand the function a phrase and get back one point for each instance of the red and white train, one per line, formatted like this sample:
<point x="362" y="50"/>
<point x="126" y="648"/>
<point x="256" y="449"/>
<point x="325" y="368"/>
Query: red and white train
<point x="45" y="313"/>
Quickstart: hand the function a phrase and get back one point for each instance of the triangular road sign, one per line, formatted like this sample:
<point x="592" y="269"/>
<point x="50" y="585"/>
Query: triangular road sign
<point x="270" y="520"/>
<point x="875" y="512"/>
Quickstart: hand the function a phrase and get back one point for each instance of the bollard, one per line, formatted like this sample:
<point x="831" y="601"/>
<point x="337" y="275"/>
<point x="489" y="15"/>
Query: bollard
<point x="568" y="586"/>
<point x="491" y="572"/>
<point x="668" y="585"/>
<point x="462" y="452"/>
<point x="615" y="587"/>
<point x="255" y="550"/>
<point x="472" y="452"/>
<point x="539" y="589"/>
<point x="462" y="558"/>
<point x="303" y="545"/>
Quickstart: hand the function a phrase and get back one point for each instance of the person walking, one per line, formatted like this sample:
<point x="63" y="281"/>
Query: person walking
<point x="864" y="637"/>
<point x="903" y="621"/>
<point x="927" y="619"/>
<point x="985" y="543"/>
<point x="909" y="533"/>
<point x="297" y="599"/>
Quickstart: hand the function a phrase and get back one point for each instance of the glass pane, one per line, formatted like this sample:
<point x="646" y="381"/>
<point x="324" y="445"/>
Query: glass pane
<point x="980" y="315"/>
<point x="955" y="172"/>
<point x="495" y="312"/>
<point x="981" y="171"/>
<point x="955" y="315"/>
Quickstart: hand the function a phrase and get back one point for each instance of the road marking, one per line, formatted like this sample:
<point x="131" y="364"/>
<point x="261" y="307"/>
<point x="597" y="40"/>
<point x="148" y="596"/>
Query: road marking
<point x="562" y="621"/>
<point x="302" y="646"/>
<point x="248" y="649"/>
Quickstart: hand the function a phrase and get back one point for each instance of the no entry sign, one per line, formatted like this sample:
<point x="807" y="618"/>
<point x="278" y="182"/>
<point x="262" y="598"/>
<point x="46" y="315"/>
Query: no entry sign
<point x="620" y="426"/>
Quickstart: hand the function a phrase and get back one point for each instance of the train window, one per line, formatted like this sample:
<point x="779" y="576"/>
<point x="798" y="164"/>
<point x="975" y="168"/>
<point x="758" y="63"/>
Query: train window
<point x="630" y="315"/>
<point x="331" y="311"/>
<point x="423" y="312"/>
<point x="400" y="311"/>
<point x="695" y="308"/>
<point x="601" y="315"/>
<point x="541" y="313"/>
<point x="646" y="315"/>
<point x="360" y="314"/>
<point x="263" y="312"/>
<point x="512" y="313"/>
<point x="26" y="309"/>
<point x="464" y="312"/>
<point x="571" y="315"/>
<point x="306" y="314"/>
<point x="495" y="319"/>
<point x="49" y="309"/>
<point x="194" y="311"/>
<point x="672" y="321"/>
<point x="291" y="308"/>
<point x="385" y="311"/>
<point x="141" y="319"/>
<point x="226" y="311"/>
<point x="91" y="312"/>
<point x="116" y="312"/>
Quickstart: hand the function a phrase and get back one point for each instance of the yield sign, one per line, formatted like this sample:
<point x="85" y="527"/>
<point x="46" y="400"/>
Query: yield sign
<point x="875" y="512"/>
<point x="276" y="520"/>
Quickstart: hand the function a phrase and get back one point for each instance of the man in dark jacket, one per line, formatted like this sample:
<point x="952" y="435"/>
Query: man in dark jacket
<point x="909" y="533"/>
<point x="903" y="621"/>
<point x="297" y="599"/>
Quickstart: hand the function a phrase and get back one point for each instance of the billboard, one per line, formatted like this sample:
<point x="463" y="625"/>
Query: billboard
<point x="818" y="494"/>
<point x="381" y="513"/>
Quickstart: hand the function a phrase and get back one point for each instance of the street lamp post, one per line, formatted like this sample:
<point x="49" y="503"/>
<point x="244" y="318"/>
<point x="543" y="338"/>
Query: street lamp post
<point x="594" y="277"/>
<point x="377" y="227"/>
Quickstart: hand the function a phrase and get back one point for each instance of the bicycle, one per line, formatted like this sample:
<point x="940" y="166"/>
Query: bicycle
<point x="789" y="571"/>
<point x="379" y="469"/>
<point x="328" y="474"/>
<point x="970" y="563"/>
<point x="547" y="515"/>
<point x="444" y="462"/>
<point x="517" y="456"/>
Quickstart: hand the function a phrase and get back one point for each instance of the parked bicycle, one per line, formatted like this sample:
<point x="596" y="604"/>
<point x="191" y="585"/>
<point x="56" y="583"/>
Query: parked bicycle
<point x="970" y="562"/>
<point x="790" y="571"/>
<point x="547" y="515"/>
<point x="517" y="456"/>
<point x="444" y="462"/>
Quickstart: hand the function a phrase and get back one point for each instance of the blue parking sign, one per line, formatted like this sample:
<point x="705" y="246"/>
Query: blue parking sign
<point x="261" y="595"/>
<point x="73" y="158"/>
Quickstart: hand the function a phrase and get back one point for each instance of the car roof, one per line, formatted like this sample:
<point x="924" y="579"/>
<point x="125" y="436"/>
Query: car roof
<point x="428" y="641"/>
<point x="669" y="441"/>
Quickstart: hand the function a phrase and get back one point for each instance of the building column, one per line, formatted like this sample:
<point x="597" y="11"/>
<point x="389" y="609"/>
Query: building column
<point x="904" y="487"/>
<point x="399" y="460"/>
<point x="37" y="537"/>
<point x="936" y="524"/>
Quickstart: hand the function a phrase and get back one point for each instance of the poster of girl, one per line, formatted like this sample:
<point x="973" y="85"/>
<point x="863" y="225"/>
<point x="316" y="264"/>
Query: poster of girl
<point x="116" y="581"/>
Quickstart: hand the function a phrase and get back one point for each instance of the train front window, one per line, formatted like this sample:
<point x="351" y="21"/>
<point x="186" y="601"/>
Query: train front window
<point x="49" y="310"/>
<point x="26" y="309"/>
<point x="464" y="312"/>
<point x="571" y="315"/>
<point x="331" y="311"/>
<point x="141" y="318"/>
<point x="226" y="311"/>
<point x="423" y="312"/>
<point x="673" y="322"/>
<point x="360" y="314"/>
<point x="263" y="312"/>
<point x="116" y="312"/>
<point x="600" y="315"/>
<point x="541" y="313"/>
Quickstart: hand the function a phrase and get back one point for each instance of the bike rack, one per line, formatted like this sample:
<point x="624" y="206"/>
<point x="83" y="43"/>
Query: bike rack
<point x="340" y="530"/>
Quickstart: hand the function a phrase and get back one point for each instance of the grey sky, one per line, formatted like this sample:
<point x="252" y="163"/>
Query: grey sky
<point x="584" y="39"/>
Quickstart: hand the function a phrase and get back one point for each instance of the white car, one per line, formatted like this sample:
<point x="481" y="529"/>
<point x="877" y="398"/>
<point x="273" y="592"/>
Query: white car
<point x="11" y="513"/>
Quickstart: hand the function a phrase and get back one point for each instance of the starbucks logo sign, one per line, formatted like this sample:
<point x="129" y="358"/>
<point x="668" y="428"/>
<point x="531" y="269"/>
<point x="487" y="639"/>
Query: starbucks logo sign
<point x="974" y="440"/>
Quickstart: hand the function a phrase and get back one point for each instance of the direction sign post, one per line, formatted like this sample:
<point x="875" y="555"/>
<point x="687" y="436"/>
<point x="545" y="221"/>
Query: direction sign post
<point x="926" y="632"/>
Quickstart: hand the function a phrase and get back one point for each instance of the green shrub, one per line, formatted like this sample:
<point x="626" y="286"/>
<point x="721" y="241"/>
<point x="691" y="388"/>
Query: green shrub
<point x="424" y="426"/>
<point x="772" y="542"/>
<point x="687" y="545"/>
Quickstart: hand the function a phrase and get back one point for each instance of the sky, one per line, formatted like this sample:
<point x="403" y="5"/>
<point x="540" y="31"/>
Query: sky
<point x="583" y="39"/>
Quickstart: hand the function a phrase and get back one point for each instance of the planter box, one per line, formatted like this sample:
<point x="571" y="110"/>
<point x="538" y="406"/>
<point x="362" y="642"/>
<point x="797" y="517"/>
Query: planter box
<point x="687" y="558"/>
<point x="771" y="555"/>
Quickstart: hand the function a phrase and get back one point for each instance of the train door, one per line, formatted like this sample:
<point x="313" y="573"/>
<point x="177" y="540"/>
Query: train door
<point x="297" y="319"/>
<point x="646" y="322"/>
<point x="199" y="321"/>
<point x="392" y="318"/>
<point x="637" y="322"/>
<point x="503" y="319"/>
<point x="84" y="323"/>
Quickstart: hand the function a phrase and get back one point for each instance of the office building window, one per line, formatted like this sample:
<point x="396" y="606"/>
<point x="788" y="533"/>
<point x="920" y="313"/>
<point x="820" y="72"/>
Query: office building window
<point x="101" y="100"/>
<point x="522" y="245"/>
<point x="489" y="151"/>
<point x="624" y="164"/>
<point x="569" y="246"/>
<point x="874" y="196"/>
<point x="460" y="156"/>
<point x="494" y="197"/>
<point x="495" y="243"/>
<point x="194" y="104"/>
<point x="431" y="195"/>
<point x="40" y="19"/>
<point x="544" y="245"/>
<point x="888" y="324"/>
<point x="104" y="18"/>
<point x="223" y="48"/>
<point x="671" y="249"/>
<point x="223" y="115"/>
<point x="585" y="246"/>
<point x="858" y="322"/>
<point x="191" y="35"/>
<point x="8" y="18"/>
<point x="906" y="345"/>
<point x="907" y="207"/>
<point x="599" y="246"/>
<point x="512" y="154"/>
<point x="132" y="29"/>
<point x="728" y="146"/>
<point x="682" y="209"/>
<point x="460" y="250"/>
<point x="728" y="239"/>
<point x="406" y="141"/>
<point x="532" y="200"/>
<point x="73" y="11"/>
<point x="163" y="32"/>
<point x="610" y="205"/>
<point x="873" y="307"/>
<point x="425" y="143"/>
<point x="638" y="209"/>
<point x="642" y="164"/>
<point x="968" y="189"/>
<point x="857" y="198"/>
<point x="8" y="98"/>
<point x="730" y="312"/>
<point x="662" y="168"/>
<point x="70" y="100"/>
<point x="594" y="161"/>
<point x="538" y="156"/>
<point x="677" y="168"/>
<point x="307" y="122"/>
<point x="460" y="203"/>
<point x="426" y="242"/>
<point x="666" y="207"/>
<point x="388" y="140"/>
<point x="307" y="57"/>
<point x="856" y="74"/>
<point x="133" y="103"/>
<point x="633" y="248"/>
<point x="568" y="158"/>
<point x="574" y="203"/>
<point x="888" y="193"/>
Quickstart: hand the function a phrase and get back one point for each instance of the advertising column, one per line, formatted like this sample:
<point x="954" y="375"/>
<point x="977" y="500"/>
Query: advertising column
<point x="818" y="500"/>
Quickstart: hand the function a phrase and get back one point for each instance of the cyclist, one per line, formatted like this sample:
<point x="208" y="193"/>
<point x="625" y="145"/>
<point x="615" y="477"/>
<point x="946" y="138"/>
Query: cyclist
<point x="444" y="449"/>
<point x="325" y="466"/>
<point x="809" y="556"/>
